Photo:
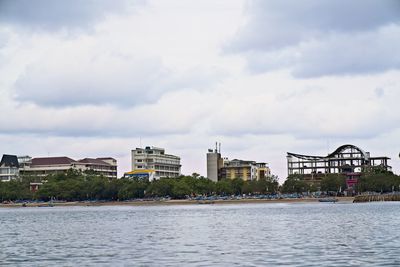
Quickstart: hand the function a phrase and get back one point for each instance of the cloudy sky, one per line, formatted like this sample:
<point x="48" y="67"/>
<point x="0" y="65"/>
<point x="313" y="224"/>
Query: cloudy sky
<point x="86" y="78"/>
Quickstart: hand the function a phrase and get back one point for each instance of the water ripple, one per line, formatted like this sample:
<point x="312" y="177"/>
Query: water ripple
<point x="206" y="235"/>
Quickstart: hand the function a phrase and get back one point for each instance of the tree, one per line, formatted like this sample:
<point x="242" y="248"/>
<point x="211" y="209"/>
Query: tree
<point x="161" y="187"/>
<point x="224" y="187"/>
<point x="378" y="181"/>
<point x="204" y="186"/>
<point x="294" y="184"/>
<point x="237" y="184"/>
<point x="333" y="182"/>
<point x="180" y="189"/>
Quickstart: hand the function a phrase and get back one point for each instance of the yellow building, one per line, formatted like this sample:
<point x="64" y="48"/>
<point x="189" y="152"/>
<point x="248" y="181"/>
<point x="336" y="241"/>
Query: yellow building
<point x="244" y="169"/>
<point x="140" y="174"/>
<point x="219" y="168"/>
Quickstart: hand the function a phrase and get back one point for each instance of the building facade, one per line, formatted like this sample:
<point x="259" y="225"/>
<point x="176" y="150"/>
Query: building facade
<point x="347" y="159"/>
<point x="244" y="169"/>
<point x="214" y="164"/>
<point x="219" y="168"/>
<point x="154" y="159"/>
<point x="106" y="167"/>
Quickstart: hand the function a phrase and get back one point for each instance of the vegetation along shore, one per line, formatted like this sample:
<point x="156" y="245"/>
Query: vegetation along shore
<point x="85" y="188"/>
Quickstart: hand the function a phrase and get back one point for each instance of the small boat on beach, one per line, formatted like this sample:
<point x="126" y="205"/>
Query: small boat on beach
<point x="328" y="199"/>
<point x="205" y="202"/>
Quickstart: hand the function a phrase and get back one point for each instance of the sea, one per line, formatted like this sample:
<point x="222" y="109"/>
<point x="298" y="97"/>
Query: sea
<point x="280" y="234"/>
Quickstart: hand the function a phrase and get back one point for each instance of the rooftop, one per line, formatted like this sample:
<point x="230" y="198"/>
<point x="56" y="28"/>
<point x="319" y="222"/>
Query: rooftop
<point x="94" y="161"/>
<point x="9" y="161"/>
<point x="53" y="161"/>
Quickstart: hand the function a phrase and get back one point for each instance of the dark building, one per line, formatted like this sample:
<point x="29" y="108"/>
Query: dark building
<point x="9" y="167"/>
<point x="347" y="159"/>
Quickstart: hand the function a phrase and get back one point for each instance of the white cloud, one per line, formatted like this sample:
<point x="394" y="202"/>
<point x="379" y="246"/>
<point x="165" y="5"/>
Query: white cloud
<point x="161" y="75"/>
<point x="51" y="15"/>
<point x="327" y="107"/>
<point x="316" y="38"/>
<point x="276" y="24"/>
<point x="89" y="76"/>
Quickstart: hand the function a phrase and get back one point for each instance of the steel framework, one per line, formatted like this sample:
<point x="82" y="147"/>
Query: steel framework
<point x="345" y="159"/>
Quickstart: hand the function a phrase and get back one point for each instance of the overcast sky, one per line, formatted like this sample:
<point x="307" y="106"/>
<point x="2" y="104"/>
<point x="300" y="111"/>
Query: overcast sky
<point x="86" y="78"/>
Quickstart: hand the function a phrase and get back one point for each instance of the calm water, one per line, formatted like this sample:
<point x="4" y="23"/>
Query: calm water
<point x="320" y="234"/>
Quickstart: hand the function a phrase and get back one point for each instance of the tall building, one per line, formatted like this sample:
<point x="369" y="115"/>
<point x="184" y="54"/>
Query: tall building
<point x="347" y="159"/>
<point x="9" y="168"/>
<point x="214" y="164"/>
<point x="219" y="168"/>
<point x="154" y="159"/>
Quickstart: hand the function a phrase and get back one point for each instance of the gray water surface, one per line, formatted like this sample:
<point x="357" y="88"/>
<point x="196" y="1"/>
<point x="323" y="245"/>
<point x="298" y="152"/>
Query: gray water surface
<point x="319" y="234"/>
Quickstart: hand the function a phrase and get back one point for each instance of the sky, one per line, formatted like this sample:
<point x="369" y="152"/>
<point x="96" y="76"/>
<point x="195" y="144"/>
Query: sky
<point x="86" y="78"/>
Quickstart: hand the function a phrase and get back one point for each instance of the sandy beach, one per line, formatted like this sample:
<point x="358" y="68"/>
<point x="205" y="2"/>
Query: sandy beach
<point x="171" y="202"/>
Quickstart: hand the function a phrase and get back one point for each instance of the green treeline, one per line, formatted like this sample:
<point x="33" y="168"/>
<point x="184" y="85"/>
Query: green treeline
<point x="373" y="179"/>
<point x="378" y="180"/>
<point x="331" y="182"/>
<point x="76" y="186"/>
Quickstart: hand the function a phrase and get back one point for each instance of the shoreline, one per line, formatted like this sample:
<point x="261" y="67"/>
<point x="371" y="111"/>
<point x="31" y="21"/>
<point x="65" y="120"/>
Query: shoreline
<point x="174" y="202"/>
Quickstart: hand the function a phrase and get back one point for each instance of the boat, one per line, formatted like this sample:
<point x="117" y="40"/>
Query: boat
<point x="328" y="199"/>
<point x="205" y="202"/>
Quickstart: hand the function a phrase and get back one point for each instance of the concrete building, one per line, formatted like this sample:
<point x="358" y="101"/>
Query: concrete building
<point x="24" y="161"/>
<point x="101" y="166"/>
<point x="9" y="168"/>
<point x="53" y="165"/>
<point x="347" y="159"/>
<point x="214" y="164"/>
<point x="155" y="159"/>
<point x="244" y="169"/>
<point x="219" y="168"/>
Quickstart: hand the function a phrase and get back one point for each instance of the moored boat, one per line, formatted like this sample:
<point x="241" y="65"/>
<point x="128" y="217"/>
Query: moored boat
<point x="328" y="199"/>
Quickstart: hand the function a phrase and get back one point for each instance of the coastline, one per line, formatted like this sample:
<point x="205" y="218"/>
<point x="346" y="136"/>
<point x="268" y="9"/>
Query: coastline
<point x="174" y="202"/>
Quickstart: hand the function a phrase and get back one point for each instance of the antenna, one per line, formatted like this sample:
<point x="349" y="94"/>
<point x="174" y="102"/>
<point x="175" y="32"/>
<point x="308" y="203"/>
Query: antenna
<point x="220" y="148"/>
<point x="216" y="147"/>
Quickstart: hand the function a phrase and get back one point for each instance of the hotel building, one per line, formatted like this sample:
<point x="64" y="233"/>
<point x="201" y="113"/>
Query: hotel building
<point x="155" y="163"/>
<point x="106" y="167"/>
<point x="219" y="168"/>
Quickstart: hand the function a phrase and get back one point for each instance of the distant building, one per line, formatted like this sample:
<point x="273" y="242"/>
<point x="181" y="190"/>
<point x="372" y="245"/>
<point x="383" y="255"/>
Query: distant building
<point x="214" y="164"/>
<point x="347" y="159"/>
<point x="219" y="168"/>
<point x="244" y="169"/>
<point x="101" y="166"/>
<point x="24" y="161"/>
<point x="34" y="187"/>
<point x="154" y="159"/>
<point x="9" y="168"/>
<point x="53" y="165"/>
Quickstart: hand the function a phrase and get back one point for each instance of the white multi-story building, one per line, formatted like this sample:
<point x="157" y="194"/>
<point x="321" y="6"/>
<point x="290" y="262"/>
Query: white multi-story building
<point x="52" y="165"/>
<point x="155" y="159"/>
